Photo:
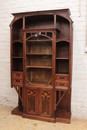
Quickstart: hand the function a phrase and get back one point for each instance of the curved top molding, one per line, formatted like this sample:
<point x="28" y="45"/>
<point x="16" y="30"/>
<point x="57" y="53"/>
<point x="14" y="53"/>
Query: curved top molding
<point x="15" y="19"/>
<point x="65" y="17"/>
<point x="39" y="35"/>
<point x="67" y="11"/>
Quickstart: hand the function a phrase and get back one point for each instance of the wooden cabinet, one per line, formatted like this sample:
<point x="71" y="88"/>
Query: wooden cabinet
<point x="39" y="101"/>
<point x="41" y="64"/>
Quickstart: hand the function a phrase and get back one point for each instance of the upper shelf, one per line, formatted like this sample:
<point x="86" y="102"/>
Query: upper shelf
<point x="42" y="22"/>
<point x="39" y="22"/>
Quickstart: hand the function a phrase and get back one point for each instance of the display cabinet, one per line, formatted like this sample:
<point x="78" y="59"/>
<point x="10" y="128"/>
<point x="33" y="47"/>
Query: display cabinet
<point x="41" y="64"/>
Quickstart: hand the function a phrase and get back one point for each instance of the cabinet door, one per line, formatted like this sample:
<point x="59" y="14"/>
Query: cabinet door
<point x="32" y="101"/>
<point x="45" y="102"/>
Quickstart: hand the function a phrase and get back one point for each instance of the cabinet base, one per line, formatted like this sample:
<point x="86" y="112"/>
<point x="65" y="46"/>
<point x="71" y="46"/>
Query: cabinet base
<point x="62" y="120"/>
<point x="63" y="116"/>
<point x="48" y="119"/>
<point x="17" y="112"/>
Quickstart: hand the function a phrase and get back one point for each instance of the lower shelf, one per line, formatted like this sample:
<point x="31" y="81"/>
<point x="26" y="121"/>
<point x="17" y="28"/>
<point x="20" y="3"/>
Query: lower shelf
<point x="61" y="116"/>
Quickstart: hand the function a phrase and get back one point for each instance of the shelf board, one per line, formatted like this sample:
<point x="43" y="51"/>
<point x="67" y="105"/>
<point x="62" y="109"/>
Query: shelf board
<point x="17" y="71"/>
<point x="20" y="41"/>
<point x="62" y="74"/>
<point x="38" y="54"/>
<point x="41" y="67"/>
<point x="18" y="57"/>
<point x="44" y="29"/>
<point x="42" y="40"/>
<point x="62" y="39"/>
<point x="58" y="58"/>
<point x="40" y="85"/>
<point x="61" y="88"/>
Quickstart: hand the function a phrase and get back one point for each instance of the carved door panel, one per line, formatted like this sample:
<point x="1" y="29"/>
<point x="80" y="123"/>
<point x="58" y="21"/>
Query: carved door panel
<point x="32" y="101"/>
<point x="45" y="102"/>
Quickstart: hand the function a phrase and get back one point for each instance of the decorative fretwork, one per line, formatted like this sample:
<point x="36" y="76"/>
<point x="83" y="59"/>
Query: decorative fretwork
<point x="45" y="95"/>
<point x="31" y="101"/>
<point x="38" y="35"/>
<point x="31" y="93"/>
<point x="45" y="102"/>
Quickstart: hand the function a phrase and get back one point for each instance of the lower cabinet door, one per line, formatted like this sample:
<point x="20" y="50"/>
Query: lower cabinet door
<point x="45" y="102"/>
<point x="32" y="101"/>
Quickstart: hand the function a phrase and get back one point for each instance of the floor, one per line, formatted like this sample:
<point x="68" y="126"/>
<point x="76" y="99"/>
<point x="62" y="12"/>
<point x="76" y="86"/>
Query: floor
<point x="12" y="122"/>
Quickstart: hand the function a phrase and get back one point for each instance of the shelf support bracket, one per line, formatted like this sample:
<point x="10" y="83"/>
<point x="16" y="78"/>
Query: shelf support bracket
<point x="61" y="99"/>
<point x="18" y="92"/>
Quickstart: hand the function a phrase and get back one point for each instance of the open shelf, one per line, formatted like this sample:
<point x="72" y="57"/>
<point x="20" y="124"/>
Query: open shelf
<point x="62" y="57"/>
<point x="17" y="49"/>
<point x="18" y="35"/>
<point x="39" y="21"/>
<point x="39" y="48"/>
<point x="62" y="67"/>
<point x="17" y="29"/>
<point x="39" y="76"/>
<point x="39" y="60"/>
<point x="62" y="49"/>
<point x="62" y="115"/>
<point x="64" y="28"/>
<point x="18" y="24"/>
<point x="17" y="64"/>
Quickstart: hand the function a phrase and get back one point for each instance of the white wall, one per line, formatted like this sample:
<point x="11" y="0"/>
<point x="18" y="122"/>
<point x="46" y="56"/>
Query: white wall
<point x="78" y="14"/>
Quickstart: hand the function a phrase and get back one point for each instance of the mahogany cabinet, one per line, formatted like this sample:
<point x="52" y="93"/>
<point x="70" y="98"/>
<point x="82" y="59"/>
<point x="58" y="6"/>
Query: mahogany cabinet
<point x="41" y="64"/>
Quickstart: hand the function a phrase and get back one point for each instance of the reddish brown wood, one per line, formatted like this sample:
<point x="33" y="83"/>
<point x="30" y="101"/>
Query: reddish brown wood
<point x="41" y="64"/>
